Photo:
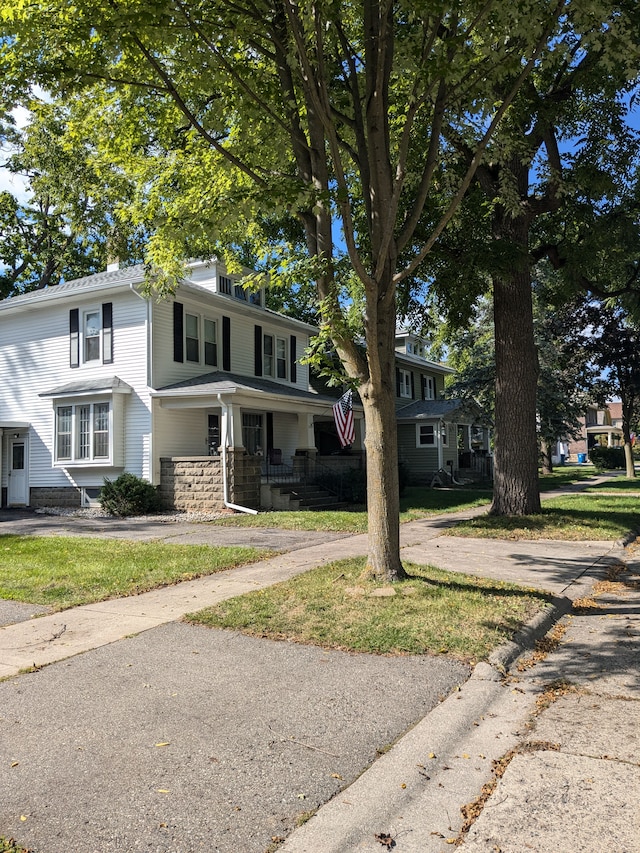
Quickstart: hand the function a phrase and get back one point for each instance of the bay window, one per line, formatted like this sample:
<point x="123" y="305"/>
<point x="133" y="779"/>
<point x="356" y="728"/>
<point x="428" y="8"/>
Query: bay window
<point x="83" y="432"/>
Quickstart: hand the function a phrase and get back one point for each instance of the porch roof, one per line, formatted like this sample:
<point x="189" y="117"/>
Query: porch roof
<point x="219" y="382"/>
<point x="445" y="410"/>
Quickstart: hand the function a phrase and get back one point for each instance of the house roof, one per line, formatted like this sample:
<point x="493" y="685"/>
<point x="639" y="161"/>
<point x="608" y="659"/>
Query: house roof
<point x="419" y="361"/>
<point x="440" y="410"/>
<point x="219" y="382"/>
<point x="109" y="384"/>
<point x="98" y="281"/>
<point x="125" y="278"/>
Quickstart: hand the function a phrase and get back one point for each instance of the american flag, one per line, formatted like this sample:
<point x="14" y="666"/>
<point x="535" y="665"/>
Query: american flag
<point x="343" y="416"/>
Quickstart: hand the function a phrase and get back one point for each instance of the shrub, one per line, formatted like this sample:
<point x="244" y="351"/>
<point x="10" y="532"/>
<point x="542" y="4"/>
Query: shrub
<point x="607" y="458"/>
<point x="128" y="495"/>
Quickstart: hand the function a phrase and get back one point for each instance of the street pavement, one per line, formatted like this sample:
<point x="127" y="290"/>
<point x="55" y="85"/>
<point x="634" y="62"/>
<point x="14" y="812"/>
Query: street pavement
<point x="146" y="733"/>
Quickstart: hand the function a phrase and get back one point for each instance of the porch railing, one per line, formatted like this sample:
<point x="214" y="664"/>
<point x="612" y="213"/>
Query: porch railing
<point x="343" y="482"/>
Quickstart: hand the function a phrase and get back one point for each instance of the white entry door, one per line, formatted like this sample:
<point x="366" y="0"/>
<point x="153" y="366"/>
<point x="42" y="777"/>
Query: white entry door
<point x="17" y="490"/>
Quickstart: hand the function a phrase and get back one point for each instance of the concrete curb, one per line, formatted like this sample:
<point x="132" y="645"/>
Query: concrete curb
<point x="526" y="638"/>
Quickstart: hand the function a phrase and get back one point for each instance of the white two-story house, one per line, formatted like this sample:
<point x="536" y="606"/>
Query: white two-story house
<point x="194" y="393"/>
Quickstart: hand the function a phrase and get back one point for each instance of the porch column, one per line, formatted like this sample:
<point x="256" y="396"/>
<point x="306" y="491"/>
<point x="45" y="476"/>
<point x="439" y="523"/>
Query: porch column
<point x="609" y="439"/>
<point x="232" y="426"/>
<point x="306" y="434"/>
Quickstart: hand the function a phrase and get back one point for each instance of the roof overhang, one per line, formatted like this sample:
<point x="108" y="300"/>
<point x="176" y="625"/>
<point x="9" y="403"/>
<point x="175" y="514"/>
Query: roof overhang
<point x="89" y="388"/>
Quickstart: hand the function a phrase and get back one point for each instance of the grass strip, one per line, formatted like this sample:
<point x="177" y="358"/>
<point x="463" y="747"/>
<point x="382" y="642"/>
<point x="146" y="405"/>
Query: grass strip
<point x="432" y="612"/>
<point x="416" y="502"/>
<point x="570" y="518"/>
<point x="62" y="572"/>
<point x="620" y="484"/>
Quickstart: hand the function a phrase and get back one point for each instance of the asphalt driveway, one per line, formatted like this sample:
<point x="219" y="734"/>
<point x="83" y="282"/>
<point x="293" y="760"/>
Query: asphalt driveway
<point x="189" y="739"/>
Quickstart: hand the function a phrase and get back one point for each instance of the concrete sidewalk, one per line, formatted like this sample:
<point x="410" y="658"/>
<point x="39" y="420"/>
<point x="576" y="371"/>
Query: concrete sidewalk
<point x="572" y="778"/>
<point x="543" y="758"/>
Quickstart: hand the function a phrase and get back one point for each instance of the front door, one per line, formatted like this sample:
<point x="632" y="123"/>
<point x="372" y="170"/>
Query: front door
<point x="17" y="489"/>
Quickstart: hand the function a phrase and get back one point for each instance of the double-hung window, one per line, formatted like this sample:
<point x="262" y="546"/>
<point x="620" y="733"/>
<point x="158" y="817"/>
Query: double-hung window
<point x="428" y="388"/>
<point x="91" y="335"/>
<point x="192" y="337"/>
<point x="426" y="435"/>
<point x="281" y="358"/>
<point x="200" y="340"/>
<point x="210" y="343"/>
<point x="267" y="355"/>
<point x="405" y="383"/>
<point x="274" y="356"/>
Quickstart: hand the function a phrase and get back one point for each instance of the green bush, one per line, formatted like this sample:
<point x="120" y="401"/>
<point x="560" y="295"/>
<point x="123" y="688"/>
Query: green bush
<point x="128" y="495"/>
<point x="607" y="458"/>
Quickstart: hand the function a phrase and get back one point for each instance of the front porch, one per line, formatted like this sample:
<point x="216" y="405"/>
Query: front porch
<point x="196" y="483"/>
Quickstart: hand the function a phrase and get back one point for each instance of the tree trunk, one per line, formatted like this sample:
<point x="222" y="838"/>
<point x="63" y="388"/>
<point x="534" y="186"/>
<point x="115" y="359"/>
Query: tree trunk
<point x="628" y="459"/>
<point x="516" y="488"/>
<point x="628" y="411"/>
<point x="547" y="461"/>
<point x="383" y="492"/>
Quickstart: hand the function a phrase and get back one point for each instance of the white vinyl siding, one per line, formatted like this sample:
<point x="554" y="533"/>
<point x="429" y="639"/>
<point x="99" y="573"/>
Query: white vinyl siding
<point x="243" y="319"/>
<point x="39" y="337"/>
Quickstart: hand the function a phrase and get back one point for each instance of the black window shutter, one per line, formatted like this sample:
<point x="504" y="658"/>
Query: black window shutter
<point x="293" y="363"/>
<point x="257" y="350"/>
<point x="74" y="337"/>
<point x="226" y="343"/>
<point x="413" y="387"/>
<point x="178" y="331"/>
<point x="107" y="333"/>
<point x="397" y="381"/>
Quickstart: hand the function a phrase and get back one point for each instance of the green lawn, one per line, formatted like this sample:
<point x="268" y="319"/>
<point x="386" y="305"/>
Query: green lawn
<point x="432" y="612"/>
<point x="574" y="517"/>
<point x="64" y="572"/>
<point x="416" y="502"/>
<point x="620" y="484"/>
<point x="565" y="475"/>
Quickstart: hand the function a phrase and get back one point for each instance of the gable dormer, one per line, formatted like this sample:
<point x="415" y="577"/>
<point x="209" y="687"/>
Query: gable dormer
<point x="213" y="276"/>
<point x="410" y="344"/>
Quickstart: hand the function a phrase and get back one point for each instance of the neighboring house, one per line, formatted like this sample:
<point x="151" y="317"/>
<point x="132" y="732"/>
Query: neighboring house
<point x="435" y="433"/>
<point x="100" y="378"/>
<point x="598" y="426"/>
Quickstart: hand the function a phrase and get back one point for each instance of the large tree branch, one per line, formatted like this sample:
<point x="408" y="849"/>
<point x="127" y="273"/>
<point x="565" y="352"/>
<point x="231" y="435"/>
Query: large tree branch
<point x="411" y="267"/>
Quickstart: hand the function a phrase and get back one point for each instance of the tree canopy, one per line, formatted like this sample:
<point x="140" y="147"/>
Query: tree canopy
<point x="343" y="118"/>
